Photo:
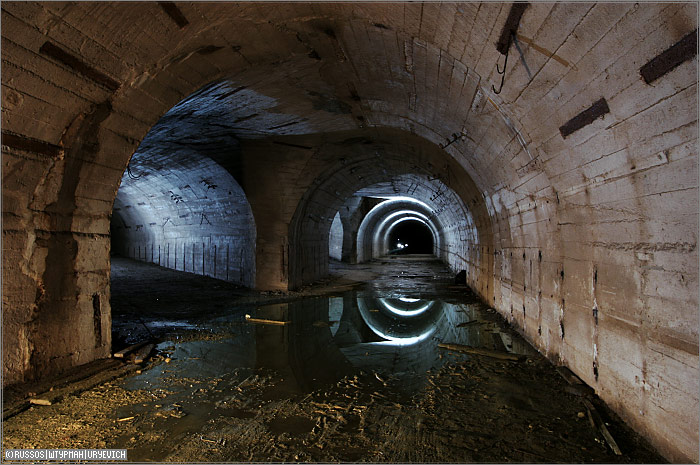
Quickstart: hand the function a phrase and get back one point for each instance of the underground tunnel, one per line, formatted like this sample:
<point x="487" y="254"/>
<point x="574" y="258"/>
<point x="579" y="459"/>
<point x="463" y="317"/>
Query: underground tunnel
<point x="417" y="238"/>
<point x="334" y="232"/>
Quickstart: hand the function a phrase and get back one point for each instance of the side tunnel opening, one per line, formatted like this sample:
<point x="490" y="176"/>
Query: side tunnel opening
<point x="177" y="207"/>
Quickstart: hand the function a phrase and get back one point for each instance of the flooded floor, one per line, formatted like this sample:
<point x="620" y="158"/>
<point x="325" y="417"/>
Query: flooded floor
<point x="349" y="370"/>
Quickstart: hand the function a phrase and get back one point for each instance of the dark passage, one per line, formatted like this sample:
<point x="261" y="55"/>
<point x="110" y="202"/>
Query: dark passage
<point x="410" y="237"/>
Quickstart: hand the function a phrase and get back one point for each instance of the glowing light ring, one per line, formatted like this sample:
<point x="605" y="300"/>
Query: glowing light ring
<point x="407" y="215"/>
<point x="390" y="339"/>
<point x="402" y="312"/>
<point x="371" y="237"/>
<point x="399" y="341"/>
<point x="417" y="216"/>
<point x="402" y="199"/>
<point x="405" y="342"/>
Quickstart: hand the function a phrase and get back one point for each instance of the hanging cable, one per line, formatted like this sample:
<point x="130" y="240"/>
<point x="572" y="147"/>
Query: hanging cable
<point x="522" y="55"/>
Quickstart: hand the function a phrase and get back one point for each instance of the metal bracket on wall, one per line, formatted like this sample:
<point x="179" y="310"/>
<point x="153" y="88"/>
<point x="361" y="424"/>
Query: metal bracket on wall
<point x="457" y="136"/>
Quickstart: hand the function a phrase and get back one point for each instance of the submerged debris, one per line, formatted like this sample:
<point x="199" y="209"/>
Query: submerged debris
<point x="262" y="321"/>
<point x="481" y="351"/>
<point x="234" y="392"/>
<point x="468" y="323"/>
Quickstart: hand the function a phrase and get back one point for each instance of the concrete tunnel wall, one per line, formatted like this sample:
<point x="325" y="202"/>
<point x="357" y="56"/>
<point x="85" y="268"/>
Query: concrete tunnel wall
<point x="352" y="213"/>
<point x="587" y="225"/>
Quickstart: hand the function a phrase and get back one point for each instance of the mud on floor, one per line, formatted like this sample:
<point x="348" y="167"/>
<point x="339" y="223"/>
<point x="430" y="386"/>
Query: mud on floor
<point x="473" y="409"/>
<point x="326" y="388"/>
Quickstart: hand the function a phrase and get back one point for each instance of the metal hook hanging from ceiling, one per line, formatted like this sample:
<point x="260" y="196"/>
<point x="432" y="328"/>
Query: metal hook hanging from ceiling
<point x="502" y="73"/>
<point x="507" y="36"/>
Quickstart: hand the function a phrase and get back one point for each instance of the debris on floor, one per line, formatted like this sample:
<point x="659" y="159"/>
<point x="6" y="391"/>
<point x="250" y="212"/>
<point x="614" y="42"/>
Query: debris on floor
<point x="263" y="321"/>
<point x="336" y="382"/>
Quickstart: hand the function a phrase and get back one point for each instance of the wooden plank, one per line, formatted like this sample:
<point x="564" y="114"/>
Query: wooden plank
<point x="143" y="353"/>
<point x="262" y="321"/>
<point x="598" y="422"/>
<point x="174" y="13"/>
<point x="510" y="28"/>
<point x="15" y="398"/>
<point x="586" y="117"/>
<point x="37" y="401"/>
<point x="683" y="50"/>
<point x="129" y="349"/>
<point x="51" y="397"/>
<point x="20" y="142"/>
<point x="54" y="51"/>
<point x="483" y="352"/>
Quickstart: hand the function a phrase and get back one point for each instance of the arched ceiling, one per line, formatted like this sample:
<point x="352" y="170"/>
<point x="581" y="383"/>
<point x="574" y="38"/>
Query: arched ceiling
<point x="609" y="199"/>
<point x="424" y="68"/>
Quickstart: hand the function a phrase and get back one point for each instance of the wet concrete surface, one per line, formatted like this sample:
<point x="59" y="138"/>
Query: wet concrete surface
<point x="354" y="375"/>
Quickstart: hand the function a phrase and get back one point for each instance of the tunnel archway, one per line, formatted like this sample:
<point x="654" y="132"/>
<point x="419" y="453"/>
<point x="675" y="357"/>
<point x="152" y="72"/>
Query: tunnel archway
<point x="179" y="208"/>
<point x="372" y="234"/>
<point x="380" y="221"/>
<point x="398" y="154"/>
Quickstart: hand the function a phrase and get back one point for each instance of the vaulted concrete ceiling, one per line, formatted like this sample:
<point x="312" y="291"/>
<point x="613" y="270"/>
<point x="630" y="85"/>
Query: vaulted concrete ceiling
<point x="580" y="176"/>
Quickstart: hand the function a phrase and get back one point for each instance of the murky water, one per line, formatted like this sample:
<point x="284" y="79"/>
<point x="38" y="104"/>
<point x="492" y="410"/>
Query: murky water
<point x="347" y="376"/>
<point x="327" y="338"/>
<point x="387" y="346"/>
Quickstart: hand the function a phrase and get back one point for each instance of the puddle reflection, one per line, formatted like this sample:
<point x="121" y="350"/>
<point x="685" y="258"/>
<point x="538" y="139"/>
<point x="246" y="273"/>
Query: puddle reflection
<point x="330" y="337"/>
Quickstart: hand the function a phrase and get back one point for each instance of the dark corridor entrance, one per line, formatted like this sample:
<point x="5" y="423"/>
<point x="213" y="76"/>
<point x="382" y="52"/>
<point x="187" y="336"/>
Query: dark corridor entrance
<point x="410" y="237"/>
